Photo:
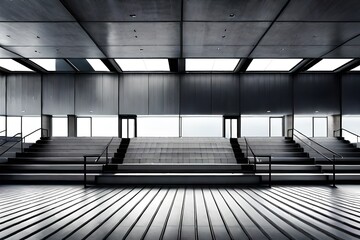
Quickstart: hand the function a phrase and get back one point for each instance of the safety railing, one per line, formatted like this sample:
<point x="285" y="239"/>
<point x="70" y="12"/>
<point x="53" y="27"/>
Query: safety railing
<point x="345" y="130"/>
<point x="333" y="153"/>
<point x="16" y="136"/>
<point x="255" y="157"/>
<point x="21" y="140"/>
<point x="97" y="156"/>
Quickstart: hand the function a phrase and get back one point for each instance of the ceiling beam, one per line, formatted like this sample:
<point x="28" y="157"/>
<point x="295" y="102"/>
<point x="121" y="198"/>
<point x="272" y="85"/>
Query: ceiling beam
<point x="267" y="30"/>
<point x="242" y="65"/>
<point x="29" y="64"/>
<point x="322" y="56"/>
<point x="112" y="65"/>
<point x="305" y="64"/>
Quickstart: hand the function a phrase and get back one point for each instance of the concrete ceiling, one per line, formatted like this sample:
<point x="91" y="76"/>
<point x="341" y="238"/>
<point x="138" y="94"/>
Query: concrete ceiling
<point x="179" y="28"/>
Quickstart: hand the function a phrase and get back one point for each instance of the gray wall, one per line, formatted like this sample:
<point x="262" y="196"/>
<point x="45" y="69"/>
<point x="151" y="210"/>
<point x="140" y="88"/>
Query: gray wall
<point x="58" y="94"/>
<point x="195" y="94"/>
<point x="24" y="94"/>
<point x="96" y="94"/>
<point x="317" y="92"/>
<point x="165" y="94"/>
<point x="351" y="94"/>
<point x="260" y="93"/>
<point x="2" y="95"/>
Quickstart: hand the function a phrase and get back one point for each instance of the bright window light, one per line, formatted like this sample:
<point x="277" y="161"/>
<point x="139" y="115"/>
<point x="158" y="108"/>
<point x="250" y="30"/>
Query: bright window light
<point x="211" y="64"/>
<point x="356" y="69"/>
<point x="97" y="65"/>
<point x="273" y="64"/>
<point x="47" y="64"/>
<point x="12" y="65"/>
<point x="329" y="64"/>
<point x="143" y="65"/>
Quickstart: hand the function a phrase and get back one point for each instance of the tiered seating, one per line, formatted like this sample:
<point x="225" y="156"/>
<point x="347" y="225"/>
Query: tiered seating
<point x="58" y="159"/>
<point x="179" y="151"/>
<point x="282" y="150"/>
<point x="350" y="161"/>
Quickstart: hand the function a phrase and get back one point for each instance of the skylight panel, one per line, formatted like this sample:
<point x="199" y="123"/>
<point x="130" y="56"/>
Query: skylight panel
<point x="211" y="64"/>
<point x="329" y="64"/>
<point x="356" y="69"/>
<point x="98" y="65"/>
<point x="143" y="65"/>
<point x="273" y="64"/>
<point x="47" y="64"/>
<point x="12" y="65"/>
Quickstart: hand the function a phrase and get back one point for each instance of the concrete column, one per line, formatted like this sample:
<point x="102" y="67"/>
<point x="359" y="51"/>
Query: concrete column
<point x="46" y="123"/>
<point x="334" y="123"/>
<point x="72" y="126"/>
<point x="288" y="124"/>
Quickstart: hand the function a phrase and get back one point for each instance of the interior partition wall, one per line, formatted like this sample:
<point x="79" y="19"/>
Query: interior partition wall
<point x="185" y="95"/>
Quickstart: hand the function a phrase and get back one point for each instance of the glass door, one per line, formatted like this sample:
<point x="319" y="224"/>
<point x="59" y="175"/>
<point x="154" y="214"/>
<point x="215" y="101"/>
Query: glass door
<point x="231" y="127"/>
<point x="128" y="125"/>
<point x="320" y="126"/>
<point x="276" y="126"/>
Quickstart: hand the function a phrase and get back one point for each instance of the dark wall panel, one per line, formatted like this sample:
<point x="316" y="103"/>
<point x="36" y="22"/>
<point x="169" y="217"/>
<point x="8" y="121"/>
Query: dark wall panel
<point x="134" y="90"/>
<point x="317" y="92"/>
<point x="96" y="94"/>
<point x="2" y="94"/>
<point x="58" y="94"/>
<point x="24" y="94"/>
<point x="163" y="94"/>
<point x="260" y="93"/>
<point x="350" y="94"/>
<point x="225" y="94"/>
<point x="196" y="94"/>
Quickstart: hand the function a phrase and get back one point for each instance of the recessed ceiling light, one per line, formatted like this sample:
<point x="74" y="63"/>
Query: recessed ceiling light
<point x="12" y="65"/>
<point x="273" y="64"/>
<point x="231" y="15"/>
<point x="316" y="111"/>
<point x="268" y="111"/>
<point x="47" y="64"/>
<point x="133" y="15"/>
<point x="98" y="65"/>
<point x="209" y="64"/>
<point x="143" y="65"/>
<point x="329" y="64"/>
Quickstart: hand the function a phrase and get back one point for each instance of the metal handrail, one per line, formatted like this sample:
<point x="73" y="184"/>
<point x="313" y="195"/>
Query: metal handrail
<point x="3" y="131"/>
<point x="98" y="156"/>
<point x="255" y="157"/>
<point x="333" y="160"/>
<point x="343" y="129"/>
<point x="16" y="142"/>
<point x="334" y="153"/>
<point x="9" y="139"/>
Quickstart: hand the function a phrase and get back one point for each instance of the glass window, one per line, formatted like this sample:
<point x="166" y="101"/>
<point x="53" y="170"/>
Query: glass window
<point x="30" y="124"/>
<point x="255" y="126"/>
<point x="105" y="126"/>
<point x="131" y="128"/>
<point x="60" y="126"/>
<point x="124" y="124"/>
<point x="13" y="126"/>
<point x="204" y="126"/>
<point x="2" y="125"/>
<point x="352" y="124"/>
<point x="158" y="126"/>
<point x="84" y="127"/>
<point x="303" y="125"/>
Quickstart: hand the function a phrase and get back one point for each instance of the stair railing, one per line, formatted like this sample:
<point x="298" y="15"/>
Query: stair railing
<point x="17" y="135"/>
<point x="97" y="156"/>
<point x="248" y="147"/>
<point x="333" y="153"/>
<point x="343" y="129"/>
